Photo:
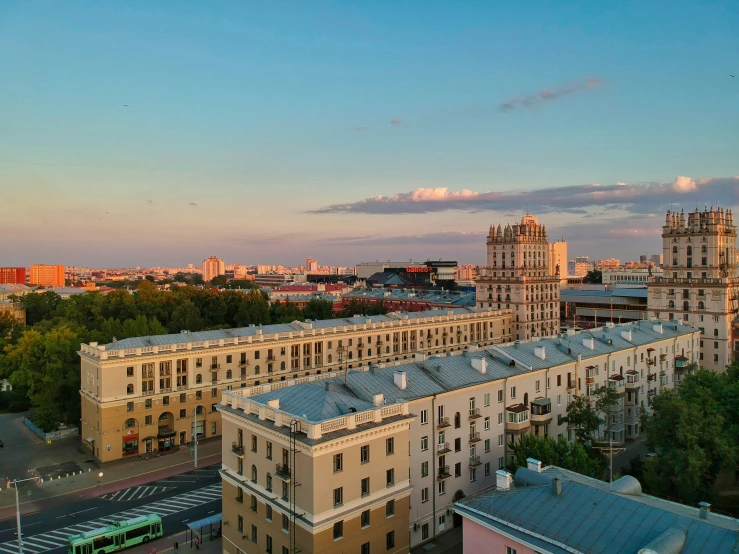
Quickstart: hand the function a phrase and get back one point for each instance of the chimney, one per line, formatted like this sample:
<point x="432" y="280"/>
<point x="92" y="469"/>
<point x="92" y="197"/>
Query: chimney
<point x="589" y="343"/>
<point x="400" y="378"/>
<point x="503" y="480"/>
<point x="705" y="509"/>
<point x="378" y="399"/>
<point x="626" y="335"/>
<point x="556" y="487"/>
<point x="533" y="464"/>
<point x="419" y="357"/>
<point x="657" y="328"/>
<point x="480" y="364"/>
<point x="329" y="386"/>
<point x="274" y="403"/>
<point x="540" y="352"/>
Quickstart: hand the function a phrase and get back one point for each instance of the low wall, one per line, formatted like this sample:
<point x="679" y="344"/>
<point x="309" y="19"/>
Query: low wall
<point x="52" y="435"/>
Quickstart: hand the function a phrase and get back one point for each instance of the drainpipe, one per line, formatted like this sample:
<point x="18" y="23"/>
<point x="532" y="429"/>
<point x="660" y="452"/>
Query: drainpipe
<point x="433" y="464"/>
<point x="505" y="420"/>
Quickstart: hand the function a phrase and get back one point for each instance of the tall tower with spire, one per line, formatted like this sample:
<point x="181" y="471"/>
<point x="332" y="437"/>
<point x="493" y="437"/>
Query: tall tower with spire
<point x="518" y="277"/>
<point x="700" y="286"/>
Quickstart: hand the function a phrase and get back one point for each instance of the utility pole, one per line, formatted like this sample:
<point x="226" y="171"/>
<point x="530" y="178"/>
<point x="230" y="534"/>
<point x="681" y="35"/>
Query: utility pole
<point x="18" y="510"/>
<point x="195" y="437"/>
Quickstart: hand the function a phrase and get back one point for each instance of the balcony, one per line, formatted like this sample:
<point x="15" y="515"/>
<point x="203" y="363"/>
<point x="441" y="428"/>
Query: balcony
<point x="181" y="387"/>
<point x="517" y="419"/>
<point x="443" y="473"/>
<point x="271" y="358"/>
<point x="541" y="411"/>
<point x="147" y="393"/>
<point x="214" y="367"/>
<point x="616" y="382"/>
<point x="651" y="393"/>
<point x="282" y="471"/>
<point x="683" y="364"/>
<point x="166" y="389"/>
<point x="474" y="461"/>
<point x="571" y="385"/>
<point x="475" y="413"/>
<point x="651" y="377"/>
<point x="443" y="448"/>
<point x="237" y="449"/>
<point x="442" y="422"/>
<point x="474" y="437"/>
<point x="632" y="380"/>
<point x="244" y="363"/>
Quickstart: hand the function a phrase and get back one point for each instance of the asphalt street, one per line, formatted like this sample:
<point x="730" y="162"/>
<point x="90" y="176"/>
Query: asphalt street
<point x="179" y="499"/>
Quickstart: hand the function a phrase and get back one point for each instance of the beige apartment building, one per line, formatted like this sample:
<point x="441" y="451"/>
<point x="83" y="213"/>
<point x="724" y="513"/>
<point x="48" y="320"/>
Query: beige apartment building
<point x="308" y="468"/>
<point x="213" y="267"/>
<point x="519" y="276"/>
<point x="699" y="285"/>
<point x="468" y="407"/>
<point x="154" y="393"/>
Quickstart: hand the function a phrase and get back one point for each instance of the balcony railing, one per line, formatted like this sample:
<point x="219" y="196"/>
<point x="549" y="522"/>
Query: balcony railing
<point x="474" y="461"/>
<point x="475" y="413"/>
<point x="475" y="437"/>
<point x="215" y="366"/>
<point x="181" y="387"/>
<point x="570" y="385"/>
<point x="237" y="449"/>
<point x="443" y="448"/>
<point x="442" y="422"/>
<point x="147" y="393"/>
<point x="282" y="471"/>
<point x="443" y="473"/>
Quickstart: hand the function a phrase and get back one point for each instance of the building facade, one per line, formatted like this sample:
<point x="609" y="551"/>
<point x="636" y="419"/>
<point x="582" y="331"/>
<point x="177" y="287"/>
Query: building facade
<point x="517" y="277"/>
<point x="46" y="275"/>
<point x="558" y="258"/>
<point x="12" y="275"/>
<point x="630" y="276"/>
<point x="699" y="285"/>
<point x="213" y="267"/>
<point x="468" y="408"/>
<point x="147" y="393"/>
<point x="310" y="469"/>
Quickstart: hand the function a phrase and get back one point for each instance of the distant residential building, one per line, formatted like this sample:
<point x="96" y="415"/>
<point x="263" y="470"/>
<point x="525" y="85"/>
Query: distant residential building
<point x="43" y="275"/>
<point x="311" y="265"/>
<point x="700" y="286"/>
<point x="327" y="289"/>
<point x="557" y="258"/>
<point x="466" y="272"/>
<point x="12" y="275"/>
<point x="579" y="266"/>
<point x="630" y="276"/>
<point x="7" y="291"/>
<point x="594" y="305"/>
<point x="517" y="277"/>
<point x="278" y="279"/>
<point x="608" y="263"/>
<point x="656" y="259"/>
<point x="555" y="510"/>
<point x="212" y="268"/>
<point x="410" y="300"/>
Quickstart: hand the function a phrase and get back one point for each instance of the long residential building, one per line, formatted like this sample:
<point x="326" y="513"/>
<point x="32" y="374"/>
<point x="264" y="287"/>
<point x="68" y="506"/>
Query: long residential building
<point x="446" y="422"/>
<point x="141" y="394"/>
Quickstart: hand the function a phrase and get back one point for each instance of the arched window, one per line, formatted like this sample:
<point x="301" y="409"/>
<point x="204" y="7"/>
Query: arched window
<point x="282" y="366"/>
<point x="228" y="374"/>
<point x="130" y="423"/>
<point x="199" y="410"/>
<point x="350" y="354"/>
<point x="671" y="304"/>
<point x="369" y="350"/>
<point x="330" y="358"/>
<point x="269" y="482"/>
<point x="457" y="421"/>
<point x="198" y="378"/>
<point x="507" y="297"/>
<point x="254" y="473"/>
<point x="256" y="370"/>
<point x="701" y="306"/>
<point x="129" y="389"/>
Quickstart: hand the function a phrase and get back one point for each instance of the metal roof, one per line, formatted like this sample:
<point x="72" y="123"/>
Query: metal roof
<point x="587" y="517"/>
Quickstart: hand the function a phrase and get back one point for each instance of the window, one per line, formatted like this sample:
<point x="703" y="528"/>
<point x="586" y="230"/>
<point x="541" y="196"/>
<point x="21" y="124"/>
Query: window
<point x="268" y="549"/>
<point x="254" y="443"/>
<point x="147" y="403"/>
<point x="390" y="477"/>
<point x="213" y="393"/>
<point x="500" y="396"/>
<point x="457" y="444"/>
<point x="501" y="463"/>
<point x="269" y="450"/>
<point x="424" y="531"/>
<point x="229" y="358"/>
<point x="487" y="423"/>
<point x="364" y="455"/>
<point x="365" y="518"/>
<point x="424" y="417"/>
<point x="500" y="418"/>
<point x="365" y="486"/>
<point x="473" y="474"/>
<point x="269" y="512"/>
<point x="254" y="534"/>
<point x="390" y="540"/>
<point x="425" y="494"/>
<point x="129" y="406"/>
<point x="338" y="530"/>
<point x="501" y="439"/>
<point x="487" y="468"/>
<point x="254" y="473"/>
<point x="269" y="482"/>
<point x="537" y="385"/>
<point x="510" y="550"/>
<point x="338" y="462"/>
<point x="148" y="420"/>
<point x="389" y="446"/>
<point x="442" y="487"/>
<point x="487" y="445"/>
<point x="253" y="503"/>
<point x="285" y="522"/>
<point x="424" y="443"/>
<point x="240" y="524"/>
<point x="129" y="389"/>
<point x="365" y="548"/>
<point x="513" y="392"/>
<point x="424" y="469"/>
<point x="458" y="469"/>
<point x="390" y="508"/>
<point x="486" y="399"/>
<point x="129" y="372"/>
<point x="338" y="496"/>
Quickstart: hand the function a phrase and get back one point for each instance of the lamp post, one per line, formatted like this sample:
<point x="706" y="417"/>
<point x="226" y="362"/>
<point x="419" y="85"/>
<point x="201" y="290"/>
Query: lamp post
<point x="100" y="482"/>
<point x="195" y="438"/>
<point x="18" y="510"/>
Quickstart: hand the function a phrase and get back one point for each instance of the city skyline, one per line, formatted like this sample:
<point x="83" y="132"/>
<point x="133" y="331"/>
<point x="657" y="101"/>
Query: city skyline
<point x="352" y="133"/>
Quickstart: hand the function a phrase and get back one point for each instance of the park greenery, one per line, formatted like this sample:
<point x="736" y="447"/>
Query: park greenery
<point x="40" y="359"/>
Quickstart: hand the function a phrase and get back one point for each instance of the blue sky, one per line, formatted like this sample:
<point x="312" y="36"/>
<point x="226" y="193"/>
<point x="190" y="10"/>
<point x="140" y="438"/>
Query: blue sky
<point x="256" y="131"/>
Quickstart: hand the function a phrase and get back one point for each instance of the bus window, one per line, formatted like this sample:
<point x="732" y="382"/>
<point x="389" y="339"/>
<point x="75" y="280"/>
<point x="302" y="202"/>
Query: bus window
<point x="77" y="549"/>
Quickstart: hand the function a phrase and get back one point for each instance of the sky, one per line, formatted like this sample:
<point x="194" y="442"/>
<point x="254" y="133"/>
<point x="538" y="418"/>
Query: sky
<point x="151" y="132"/>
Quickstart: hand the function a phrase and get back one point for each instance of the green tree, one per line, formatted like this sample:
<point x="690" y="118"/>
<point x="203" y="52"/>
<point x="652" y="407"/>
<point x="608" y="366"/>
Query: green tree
<point x="595" y="276"/>
<point x="40" y="306"/>
<point x="219" y="281"/>
<point x="605" y="399"/>
<point x="241" y="284"/>
<point x="318" y="309"/>
<point x="583" y="419"/>
<point x="186" y="317"/>
<point x="559" y="452"/>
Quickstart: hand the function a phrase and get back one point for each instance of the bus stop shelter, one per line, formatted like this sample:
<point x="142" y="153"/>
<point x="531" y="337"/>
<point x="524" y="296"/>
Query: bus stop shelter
<point x="212" y="524"/>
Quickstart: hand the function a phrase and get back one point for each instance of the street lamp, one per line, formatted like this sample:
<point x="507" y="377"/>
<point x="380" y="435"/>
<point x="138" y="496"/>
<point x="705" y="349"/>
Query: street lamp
<point x="18" y="510"/>
<point x="100" y="477"/>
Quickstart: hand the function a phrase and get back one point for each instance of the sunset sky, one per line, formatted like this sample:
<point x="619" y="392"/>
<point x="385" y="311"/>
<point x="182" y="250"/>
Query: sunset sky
<point x="265" y="132"/>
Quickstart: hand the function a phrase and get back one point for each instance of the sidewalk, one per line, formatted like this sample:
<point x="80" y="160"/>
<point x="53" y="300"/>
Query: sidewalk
<point x="448" y="543"/>
<point x="166" y="544"/>
<point x="116" y="476"/>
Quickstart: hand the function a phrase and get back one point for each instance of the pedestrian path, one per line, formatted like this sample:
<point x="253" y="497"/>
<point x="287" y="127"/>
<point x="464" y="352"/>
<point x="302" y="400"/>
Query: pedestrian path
<point x="134" y="493"/>
<point x="50" y="540"/>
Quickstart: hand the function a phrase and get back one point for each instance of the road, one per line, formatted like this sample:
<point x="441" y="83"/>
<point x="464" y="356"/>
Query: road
<point x="179" y="499"/>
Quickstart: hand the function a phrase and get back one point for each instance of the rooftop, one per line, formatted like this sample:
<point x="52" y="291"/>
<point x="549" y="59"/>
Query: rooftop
<point x="446" y="297"/>
<point x="587" y="516"/>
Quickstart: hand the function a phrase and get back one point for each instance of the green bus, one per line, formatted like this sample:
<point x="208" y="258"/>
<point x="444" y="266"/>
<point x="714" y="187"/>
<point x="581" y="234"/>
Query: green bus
<point x="117" y="536"/>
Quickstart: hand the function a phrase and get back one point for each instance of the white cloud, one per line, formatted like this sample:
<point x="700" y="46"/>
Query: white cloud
<point x="684" y="184"/>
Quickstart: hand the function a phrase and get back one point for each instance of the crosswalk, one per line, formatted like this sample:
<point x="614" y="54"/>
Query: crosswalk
<point x="52" y="540"/>
<point x="134" y="493"/>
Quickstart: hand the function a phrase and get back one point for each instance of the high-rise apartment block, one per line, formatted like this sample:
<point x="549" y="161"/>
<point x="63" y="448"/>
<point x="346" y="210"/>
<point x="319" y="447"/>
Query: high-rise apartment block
<point x="558" y="258"/>
<point x="373" y="461"/>
<point x="213" y="267"/>
<point x="145" y="393"/>
<point x="46" y="275"/>
<point x="311" y="265"/>
<point x="518" y="277"/>
<point x="12" y="275"/>
<point x="699" y="285"/>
